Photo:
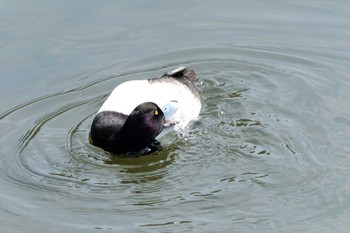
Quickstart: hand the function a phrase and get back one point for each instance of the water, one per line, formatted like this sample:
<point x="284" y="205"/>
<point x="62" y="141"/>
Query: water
<point x="270" y="152"/>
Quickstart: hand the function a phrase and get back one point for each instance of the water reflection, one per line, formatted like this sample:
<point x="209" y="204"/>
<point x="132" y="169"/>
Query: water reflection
<point x="148" y="163"/>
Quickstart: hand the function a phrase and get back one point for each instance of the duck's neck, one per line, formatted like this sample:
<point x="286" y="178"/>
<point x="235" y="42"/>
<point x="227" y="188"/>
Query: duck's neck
<point x="132" y="138"/>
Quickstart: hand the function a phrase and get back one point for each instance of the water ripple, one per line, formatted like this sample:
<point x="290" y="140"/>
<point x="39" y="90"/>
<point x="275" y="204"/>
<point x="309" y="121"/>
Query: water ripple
<point x="261" y="138"/>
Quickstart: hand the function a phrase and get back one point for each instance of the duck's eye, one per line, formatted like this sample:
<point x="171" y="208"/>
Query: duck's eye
<point x="156" y="113"/>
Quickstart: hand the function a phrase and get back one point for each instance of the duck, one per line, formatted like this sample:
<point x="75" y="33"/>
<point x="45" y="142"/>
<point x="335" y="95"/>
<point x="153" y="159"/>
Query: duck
<point x="138" y="113"/>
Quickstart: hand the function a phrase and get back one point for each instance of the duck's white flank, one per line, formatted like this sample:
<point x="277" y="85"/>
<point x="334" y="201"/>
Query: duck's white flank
<point x="128" y="95"/>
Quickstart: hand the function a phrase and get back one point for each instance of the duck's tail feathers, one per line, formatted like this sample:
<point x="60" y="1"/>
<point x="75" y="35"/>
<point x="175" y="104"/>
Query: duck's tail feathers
<point x="184" y="75"/>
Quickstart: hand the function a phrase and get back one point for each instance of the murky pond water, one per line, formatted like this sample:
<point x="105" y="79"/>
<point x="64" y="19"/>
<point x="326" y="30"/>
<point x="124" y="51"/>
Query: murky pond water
<point x="269" y="153"/>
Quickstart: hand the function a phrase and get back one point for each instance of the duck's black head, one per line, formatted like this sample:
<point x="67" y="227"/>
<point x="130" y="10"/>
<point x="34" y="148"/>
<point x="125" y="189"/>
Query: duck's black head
<point x="141" y="128"/>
